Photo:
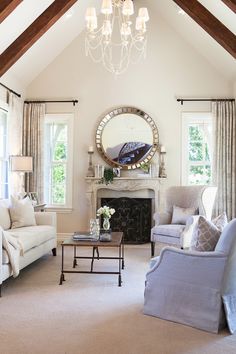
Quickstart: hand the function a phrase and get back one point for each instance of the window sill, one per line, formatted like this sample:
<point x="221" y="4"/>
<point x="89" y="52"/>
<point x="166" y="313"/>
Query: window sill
<point x="59" y="209"/>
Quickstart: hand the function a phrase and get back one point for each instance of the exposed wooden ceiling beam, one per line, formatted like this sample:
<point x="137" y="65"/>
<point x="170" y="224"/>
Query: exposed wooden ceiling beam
<point x="6" y="7"/>
<point x="210" y="24"/>
<point x="231" y="4"/>
<point x="33" y="33"/>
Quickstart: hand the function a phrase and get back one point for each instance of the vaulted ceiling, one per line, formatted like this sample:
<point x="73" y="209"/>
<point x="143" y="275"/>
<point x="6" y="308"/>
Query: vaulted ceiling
<point x="20" y="15"/>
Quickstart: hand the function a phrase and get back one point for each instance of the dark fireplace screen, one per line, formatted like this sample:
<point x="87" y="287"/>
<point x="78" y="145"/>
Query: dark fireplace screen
<point x="132" y="216"/>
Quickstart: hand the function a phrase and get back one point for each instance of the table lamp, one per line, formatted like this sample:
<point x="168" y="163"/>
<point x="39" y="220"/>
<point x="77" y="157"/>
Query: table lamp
<point x="22" y="165"/>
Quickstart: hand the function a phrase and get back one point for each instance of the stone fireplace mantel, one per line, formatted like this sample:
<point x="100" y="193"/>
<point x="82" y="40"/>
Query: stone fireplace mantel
<point x="123" y="184"/>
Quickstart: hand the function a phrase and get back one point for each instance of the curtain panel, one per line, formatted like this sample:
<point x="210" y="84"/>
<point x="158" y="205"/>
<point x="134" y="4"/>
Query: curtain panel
<point x="33" y="122"/>
<point x="225" y="157"/>
<point x="14" y="126"/>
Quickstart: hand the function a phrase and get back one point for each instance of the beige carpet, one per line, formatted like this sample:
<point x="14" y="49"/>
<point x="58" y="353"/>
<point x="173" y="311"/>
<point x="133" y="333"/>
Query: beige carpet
<point x="90" y="314"/>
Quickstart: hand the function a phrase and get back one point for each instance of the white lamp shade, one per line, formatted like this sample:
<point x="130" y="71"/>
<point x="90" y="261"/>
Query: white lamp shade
<point x="143" y="13"/>
<point x="128" y="8"/>
<point x="106" y="7"/>
<point x="90" y="13"/>
<point x="21" y="163"/>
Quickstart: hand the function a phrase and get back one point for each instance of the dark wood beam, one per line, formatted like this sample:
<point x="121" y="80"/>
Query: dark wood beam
<point x="210" y="24"/>
<point x="6" y="7"/>
<point x="33" y="33"/>
<point x="231" y="4"/>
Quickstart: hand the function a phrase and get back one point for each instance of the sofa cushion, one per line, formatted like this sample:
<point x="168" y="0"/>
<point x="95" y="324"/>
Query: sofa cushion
<point x="169" y="230"/>
<point x="180" y="215"/>
<point x="5" y="221"/>
<point x="21" y="212"/>
<point x="33" y="236"/>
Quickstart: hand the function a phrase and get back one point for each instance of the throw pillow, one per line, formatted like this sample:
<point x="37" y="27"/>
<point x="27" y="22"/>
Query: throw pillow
<point x="5" y="221"/>
<point x="22" y="213"/>
<point x="205" y="235"/>
<point x="220" y="221"/>
<point x="180" y="215"/>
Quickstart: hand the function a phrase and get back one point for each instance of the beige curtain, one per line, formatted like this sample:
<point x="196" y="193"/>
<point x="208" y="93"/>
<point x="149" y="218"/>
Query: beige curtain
<point x="15" y="117"/>
<point x="33" y="120"/>
<point x="225" y="157"/>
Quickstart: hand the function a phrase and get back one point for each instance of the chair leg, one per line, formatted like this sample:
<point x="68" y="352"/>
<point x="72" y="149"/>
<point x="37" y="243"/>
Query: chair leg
<point x="54" y="252"/>
<point x="152" y="248"/>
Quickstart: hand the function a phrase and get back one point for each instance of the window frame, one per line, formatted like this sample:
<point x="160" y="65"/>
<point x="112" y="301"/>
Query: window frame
<point x="64" y="118"/>
<point x="187" y="119"/>
<point x="4" y="107"/>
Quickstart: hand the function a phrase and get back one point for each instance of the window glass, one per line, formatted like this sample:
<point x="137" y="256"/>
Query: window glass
<point x="197" y="148"/>
<point x="58" y="140"/>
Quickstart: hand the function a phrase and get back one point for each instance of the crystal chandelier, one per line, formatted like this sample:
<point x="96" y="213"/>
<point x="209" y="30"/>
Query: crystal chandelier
<point x="116" y="43"/>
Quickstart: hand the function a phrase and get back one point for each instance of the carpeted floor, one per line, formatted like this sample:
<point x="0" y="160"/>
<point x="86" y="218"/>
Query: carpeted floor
<point x="91" y="314"/>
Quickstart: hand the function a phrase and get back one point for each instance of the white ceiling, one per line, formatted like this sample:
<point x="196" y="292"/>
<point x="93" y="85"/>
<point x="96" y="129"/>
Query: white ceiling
<point x="57" y="38"/>
<point x="200" y="39"/>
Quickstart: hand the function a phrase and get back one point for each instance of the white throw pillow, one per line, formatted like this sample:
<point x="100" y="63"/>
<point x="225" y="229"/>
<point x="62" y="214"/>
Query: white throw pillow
<point x="22" y="213"/>
<point x="5" y="221"/>
<point x="180" y="215"/>
<point x="220" y="221"/>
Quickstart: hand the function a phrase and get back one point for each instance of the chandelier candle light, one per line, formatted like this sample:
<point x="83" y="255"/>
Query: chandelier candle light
<point x="116" y="39"/>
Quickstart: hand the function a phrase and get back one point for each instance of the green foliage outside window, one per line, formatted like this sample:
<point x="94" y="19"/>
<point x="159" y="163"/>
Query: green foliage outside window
<point x="199" y="156"/>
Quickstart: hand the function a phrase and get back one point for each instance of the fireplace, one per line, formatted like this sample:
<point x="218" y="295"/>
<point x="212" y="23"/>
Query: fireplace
<point x="132" y="216"/>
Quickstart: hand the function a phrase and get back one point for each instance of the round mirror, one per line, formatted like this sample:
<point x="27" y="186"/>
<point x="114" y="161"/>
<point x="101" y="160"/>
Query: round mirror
<point x="127" y="137"/>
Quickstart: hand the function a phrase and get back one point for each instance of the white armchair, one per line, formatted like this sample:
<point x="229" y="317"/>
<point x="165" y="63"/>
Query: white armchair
<point x="201" y="198"/>
<point x="188" y="287"/>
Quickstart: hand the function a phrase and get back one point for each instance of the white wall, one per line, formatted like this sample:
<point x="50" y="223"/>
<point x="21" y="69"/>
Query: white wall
<point x="172" y="69"/>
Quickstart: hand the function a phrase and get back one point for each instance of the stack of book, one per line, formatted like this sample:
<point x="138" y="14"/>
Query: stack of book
<point x="84" y="237"/>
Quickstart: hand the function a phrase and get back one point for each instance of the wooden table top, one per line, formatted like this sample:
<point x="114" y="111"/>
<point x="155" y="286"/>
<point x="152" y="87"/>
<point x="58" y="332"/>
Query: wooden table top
<point x="116" y="239"/>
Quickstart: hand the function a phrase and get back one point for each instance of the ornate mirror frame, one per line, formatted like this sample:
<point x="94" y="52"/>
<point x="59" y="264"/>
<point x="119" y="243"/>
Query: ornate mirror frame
<point x="115" y="113"/>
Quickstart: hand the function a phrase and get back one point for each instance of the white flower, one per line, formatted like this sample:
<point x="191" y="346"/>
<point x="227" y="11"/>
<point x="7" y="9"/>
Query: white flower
<point x="106" y="211"/>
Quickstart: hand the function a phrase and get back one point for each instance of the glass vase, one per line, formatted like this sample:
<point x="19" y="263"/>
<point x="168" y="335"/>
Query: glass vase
<point x="106" y="224"/>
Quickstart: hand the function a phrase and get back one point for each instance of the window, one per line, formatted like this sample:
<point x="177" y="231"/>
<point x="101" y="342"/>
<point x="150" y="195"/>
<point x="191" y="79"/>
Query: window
<point x="58" y="160"/>
<point x="3" y="153"/>
<point x="197" y="148"/>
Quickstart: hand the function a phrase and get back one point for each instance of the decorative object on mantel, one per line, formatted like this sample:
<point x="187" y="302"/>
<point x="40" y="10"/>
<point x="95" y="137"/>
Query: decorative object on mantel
<point x="127" y="137"/>
<point x="101" y="45"/>
<point x="108" y="176"/>
<point x="107" y="213"/>
<point x="162" y="167"/>
<point x="90" y="172"/>
<point x="116" y="171"/>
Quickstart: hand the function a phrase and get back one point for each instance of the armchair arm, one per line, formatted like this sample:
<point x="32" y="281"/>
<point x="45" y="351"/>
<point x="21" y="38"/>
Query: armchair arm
<point x="46" y="218"/>
<point x="162" y="218"/>
<point x="203" y="268"/>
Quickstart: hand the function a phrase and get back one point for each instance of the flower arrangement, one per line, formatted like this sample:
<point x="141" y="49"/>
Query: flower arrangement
<point x="105" y="211"/>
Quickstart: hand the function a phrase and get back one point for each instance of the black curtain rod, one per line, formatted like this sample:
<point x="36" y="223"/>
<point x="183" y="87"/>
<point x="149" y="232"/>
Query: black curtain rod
<point x="63" y="101"/>
<point x="182" y="100"/>
<point x="10" y="90"/>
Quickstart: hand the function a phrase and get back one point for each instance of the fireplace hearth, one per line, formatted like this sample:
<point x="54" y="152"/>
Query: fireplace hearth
<point x="132" y="216"/>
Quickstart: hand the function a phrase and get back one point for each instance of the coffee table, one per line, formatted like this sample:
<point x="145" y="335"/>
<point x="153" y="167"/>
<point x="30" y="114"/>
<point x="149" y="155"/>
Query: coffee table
<point x="117" y="241"/>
